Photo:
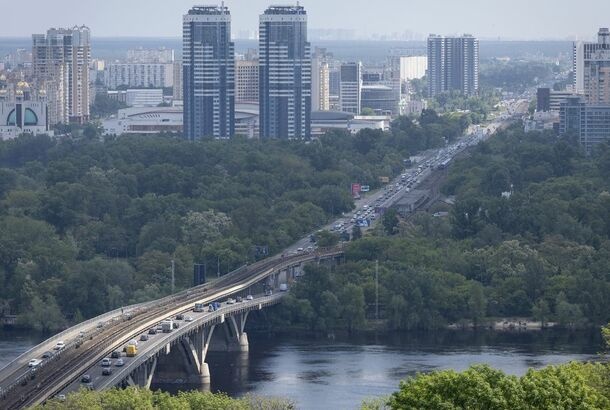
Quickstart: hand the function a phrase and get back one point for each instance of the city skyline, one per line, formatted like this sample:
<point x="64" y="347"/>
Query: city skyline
<point x="520" y="19"/>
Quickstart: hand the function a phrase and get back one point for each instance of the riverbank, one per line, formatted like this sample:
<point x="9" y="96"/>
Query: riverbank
<point x="318" y="372"/>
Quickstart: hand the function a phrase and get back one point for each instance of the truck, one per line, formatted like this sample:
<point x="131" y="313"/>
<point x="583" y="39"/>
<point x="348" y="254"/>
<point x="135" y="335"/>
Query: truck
<point x="131" y="350"/>
<point x="167" y="326"/>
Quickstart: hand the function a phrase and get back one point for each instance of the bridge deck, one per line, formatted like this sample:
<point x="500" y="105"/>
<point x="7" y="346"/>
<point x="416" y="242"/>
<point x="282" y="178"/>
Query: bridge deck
<point x="62" y="369"/>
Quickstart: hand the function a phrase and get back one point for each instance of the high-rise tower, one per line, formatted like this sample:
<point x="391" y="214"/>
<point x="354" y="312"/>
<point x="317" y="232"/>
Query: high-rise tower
<point x="284" y="73"/>
<point x="208" y="63"/>
<point x="60" y="64"/>
<point x="453" y="64"/>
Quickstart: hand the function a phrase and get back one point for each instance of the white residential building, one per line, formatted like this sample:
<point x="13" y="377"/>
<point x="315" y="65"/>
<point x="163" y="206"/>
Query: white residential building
<point x="139" y="75"/>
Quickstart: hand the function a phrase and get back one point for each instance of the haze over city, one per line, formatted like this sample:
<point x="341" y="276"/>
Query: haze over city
<point x="321" y="205"/>
<point x="397" y="19"/>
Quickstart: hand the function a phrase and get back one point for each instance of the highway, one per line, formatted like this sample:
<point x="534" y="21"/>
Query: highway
<point x="151" y="346"/>
<point x="71" y="362"/>
<point x="413" y="177"/>
<point x="98" y="337"/>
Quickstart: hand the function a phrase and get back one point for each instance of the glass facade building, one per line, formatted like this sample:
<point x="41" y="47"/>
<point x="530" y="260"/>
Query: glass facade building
<point x="284" y="73"/>
<point x="590" y="123"/>
<point x="208" y="64"/>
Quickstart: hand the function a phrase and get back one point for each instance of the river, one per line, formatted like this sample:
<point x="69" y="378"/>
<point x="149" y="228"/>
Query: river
<point x="338" y="374"/>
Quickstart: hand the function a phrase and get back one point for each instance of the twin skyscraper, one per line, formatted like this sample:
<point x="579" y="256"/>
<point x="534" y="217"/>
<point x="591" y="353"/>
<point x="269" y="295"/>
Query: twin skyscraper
<point x="209" y="73"/>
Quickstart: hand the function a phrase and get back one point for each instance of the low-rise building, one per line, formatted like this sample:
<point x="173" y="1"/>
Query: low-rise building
<point x="153" y="120"/>
<point x="541" y="121"/>
<point x="411" y="201"/>
<point x="22" y="111"/>
<point x="139" y="75"/>
<point x="145" y="121"/>
<point x="149" y="97"/>
<point x="590" y="123"/>
<point x="323" y="121"/>
<point x="383" y="99"/>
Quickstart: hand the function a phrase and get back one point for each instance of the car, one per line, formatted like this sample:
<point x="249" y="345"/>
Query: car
<point x="143" y="337"/>
<point x="100" y="325"/>
<point x="34" y="363"/>
<point x="60" y="345"/>
<point x="61" y="397"/>
<point x="239" y="299"/>
<point x="107" y="371"/>
<point x="47" y="355"/>
<point x="230" y="301"/>
<point x="85" y="379"/>
<point x="152" y="331"/>
<point x="159" y="328"/>
<point x="176" y="325"/>
<point x="115" y="355"/>
<point x="180" y="316"/>
<point x="119" y="363"/>
<point x="249" y="297"/>
<point x="106" y="362"/>
<point x="300" y="250"/>
<point x="188" y="319"/>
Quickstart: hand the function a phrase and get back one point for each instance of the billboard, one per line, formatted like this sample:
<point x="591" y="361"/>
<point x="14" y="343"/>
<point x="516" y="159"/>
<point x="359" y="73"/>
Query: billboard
<point x="365" y="188"/>
<point x="384" y="180"/>
<point x="356" y="189"/>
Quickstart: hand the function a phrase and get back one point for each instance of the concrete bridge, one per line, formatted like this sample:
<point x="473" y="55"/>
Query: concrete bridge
<point x="175" y="357"/>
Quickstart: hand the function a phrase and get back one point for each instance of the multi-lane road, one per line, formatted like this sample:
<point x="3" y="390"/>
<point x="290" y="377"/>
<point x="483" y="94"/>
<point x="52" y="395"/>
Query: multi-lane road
<point x="366" y="208"/>
<point x="413" y="177"/>
<point x="108" y="333"/>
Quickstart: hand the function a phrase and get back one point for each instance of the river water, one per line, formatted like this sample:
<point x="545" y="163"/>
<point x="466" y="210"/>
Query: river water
<point x="318" y="373"/>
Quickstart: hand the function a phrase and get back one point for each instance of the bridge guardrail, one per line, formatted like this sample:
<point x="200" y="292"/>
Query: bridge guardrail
<point x="176" y="335"/>
<point x="285" y="261"/>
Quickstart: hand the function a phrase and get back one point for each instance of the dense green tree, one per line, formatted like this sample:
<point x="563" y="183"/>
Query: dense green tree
<point x="353" y="308"/>
<point x="390" y="221"/>
<point x="326" y="239"/>
<point x="356" y="233"/>
<point x="571" y="386"/>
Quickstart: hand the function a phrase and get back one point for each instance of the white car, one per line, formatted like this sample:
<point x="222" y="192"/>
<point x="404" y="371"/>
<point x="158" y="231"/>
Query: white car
<point x="106" y="362"/>
<point x="230" y="301"/>
<point x="60" y="345"/>
<point x="249" y="297"/>
<point x="188" y="319"/>
<point x="34" y="363"/>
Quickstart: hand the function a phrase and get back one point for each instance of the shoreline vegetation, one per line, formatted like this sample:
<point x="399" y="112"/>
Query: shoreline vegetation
<point x="90" y="224"/>
<point x="525" y="245"/>
<point x="564" y="387"/>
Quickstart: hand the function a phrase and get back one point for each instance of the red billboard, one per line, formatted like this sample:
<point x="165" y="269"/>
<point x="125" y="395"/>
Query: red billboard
<point x="356" y="189"/>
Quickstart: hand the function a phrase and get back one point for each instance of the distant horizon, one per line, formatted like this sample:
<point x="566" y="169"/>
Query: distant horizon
<point x="487" y="39"/>
<point x="517" y="20"/>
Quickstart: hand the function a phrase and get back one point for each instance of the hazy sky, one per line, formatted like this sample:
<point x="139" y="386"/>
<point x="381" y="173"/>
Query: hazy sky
<point x="508" y="19"/>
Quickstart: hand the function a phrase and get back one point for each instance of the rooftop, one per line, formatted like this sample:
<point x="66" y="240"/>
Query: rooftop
<point x="209" y="10"/>
<point x="278" y="9"/>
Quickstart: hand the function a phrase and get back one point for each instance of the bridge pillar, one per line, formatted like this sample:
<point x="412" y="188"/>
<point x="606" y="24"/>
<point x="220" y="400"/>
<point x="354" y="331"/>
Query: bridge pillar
<point x="239" y="339"/>
<point x="185" y="364"/>
<point x="143" y="375"/>
<point x="233" y="338"/>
